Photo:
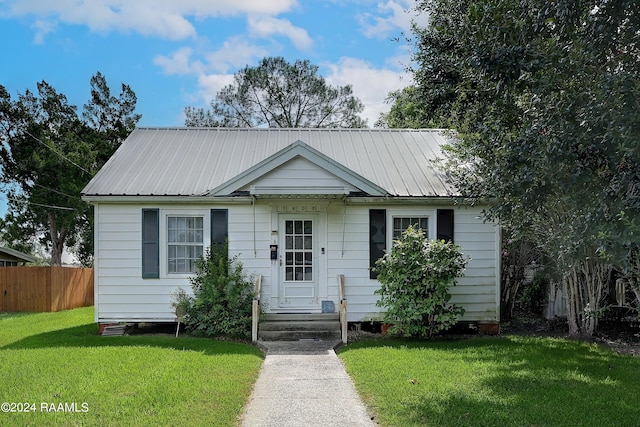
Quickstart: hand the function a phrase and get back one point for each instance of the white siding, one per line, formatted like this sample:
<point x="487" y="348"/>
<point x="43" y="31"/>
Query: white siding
<point x="299" y="173"/>
<point x="122" y="294"/>
<point x="477" y="291"/>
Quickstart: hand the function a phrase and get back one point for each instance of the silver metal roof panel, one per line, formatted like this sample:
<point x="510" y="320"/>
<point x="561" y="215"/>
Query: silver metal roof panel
<point x="194" y="161"/>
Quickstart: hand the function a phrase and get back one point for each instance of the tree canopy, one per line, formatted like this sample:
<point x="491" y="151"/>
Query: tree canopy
<point x="276" y="93"/>
<point x="49" y="154"/>
<point x="544" y="99"/>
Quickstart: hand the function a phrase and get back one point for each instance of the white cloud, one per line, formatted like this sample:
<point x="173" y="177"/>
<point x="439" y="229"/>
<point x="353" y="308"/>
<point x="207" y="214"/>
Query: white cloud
<point x="160" y="18"/>
<point x="235" y="52"/>
<point x="210" y="85"/>
<point x="266" y="26"/>
<point x="42" y="29"/>
<point x="389" y="17"/>
<point x="179" y="62"/>
<point x="370" y="84"/>
<point x="213" y="70"/>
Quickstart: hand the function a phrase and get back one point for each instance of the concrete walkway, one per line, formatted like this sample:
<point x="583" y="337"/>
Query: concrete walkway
<point x="303" y="383"/>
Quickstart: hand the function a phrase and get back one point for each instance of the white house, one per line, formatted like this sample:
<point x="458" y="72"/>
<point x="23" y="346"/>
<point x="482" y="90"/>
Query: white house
<point x="299" y="206"/>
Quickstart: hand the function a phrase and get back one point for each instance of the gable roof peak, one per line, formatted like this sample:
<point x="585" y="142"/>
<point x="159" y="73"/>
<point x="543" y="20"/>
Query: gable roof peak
<point x="297" y="148"/>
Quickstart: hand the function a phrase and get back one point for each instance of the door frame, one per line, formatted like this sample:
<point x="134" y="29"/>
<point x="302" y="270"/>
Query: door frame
<point x="319" y="257"/>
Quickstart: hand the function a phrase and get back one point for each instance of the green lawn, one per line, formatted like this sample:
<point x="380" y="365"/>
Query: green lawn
<point x="59" y="358"/>
<point x="502" y="381"/>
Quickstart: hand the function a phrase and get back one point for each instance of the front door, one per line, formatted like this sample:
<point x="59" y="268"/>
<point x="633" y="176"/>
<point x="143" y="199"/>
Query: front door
<point x="299" y="262"/>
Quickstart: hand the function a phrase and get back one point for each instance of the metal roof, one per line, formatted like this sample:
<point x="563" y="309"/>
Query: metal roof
<point x="17" y="255"/>
<point x="195" y="161"/>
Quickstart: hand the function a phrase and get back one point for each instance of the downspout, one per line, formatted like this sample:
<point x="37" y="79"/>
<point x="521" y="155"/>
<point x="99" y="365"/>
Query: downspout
<point x="344" y="222"/>
<point x="253" y="204"/>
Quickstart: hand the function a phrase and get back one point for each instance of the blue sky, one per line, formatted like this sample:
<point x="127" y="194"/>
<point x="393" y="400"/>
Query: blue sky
<point x="175" y="54"/>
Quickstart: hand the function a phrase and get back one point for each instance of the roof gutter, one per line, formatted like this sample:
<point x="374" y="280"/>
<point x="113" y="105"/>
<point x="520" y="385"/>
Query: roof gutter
<point x="237" y="200"/>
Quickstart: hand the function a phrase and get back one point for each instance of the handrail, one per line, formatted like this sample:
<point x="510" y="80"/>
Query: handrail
<point x="343" y="308"/>
<point x="255" y="308"/>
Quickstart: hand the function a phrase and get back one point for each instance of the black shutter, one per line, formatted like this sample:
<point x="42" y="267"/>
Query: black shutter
<point x="150" y="243"/>
<point x="445" y="225"/>
<point x="219" y="226"/>
<point x="377" y="237"/>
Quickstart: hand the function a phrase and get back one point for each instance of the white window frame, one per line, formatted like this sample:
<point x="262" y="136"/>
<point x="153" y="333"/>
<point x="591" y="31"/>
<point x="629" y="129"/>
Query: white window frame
<point x="430" y="214"/>
<point x="164" y="237"/>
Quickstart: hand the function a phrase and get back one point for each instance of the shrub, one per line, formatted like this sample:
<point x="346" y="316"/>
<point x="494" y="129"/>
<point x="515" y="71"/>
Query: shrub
<point x="416" y="275"/>
<point x="222" y="297"/>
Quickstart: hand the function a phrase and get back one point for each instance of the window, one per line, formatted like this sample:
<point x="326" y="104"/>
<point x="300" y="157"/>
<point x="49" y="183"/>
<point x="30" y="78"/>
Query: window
<point x="8" y="263"/>
<point x="385" y="226"/>
<point x="185" y="243"/>
<point x="401" y="223"/>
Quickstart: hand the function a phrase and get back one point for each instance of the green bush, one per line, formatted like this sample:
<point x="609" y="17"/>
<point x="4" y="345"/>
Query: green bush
<point x="416" y="275"/>
<point x="222" y="297"/>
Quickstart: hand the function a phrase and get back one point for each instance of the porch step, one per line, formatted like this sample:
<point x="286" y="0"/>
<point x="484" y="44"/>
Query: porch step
<point x="293" y="327"/>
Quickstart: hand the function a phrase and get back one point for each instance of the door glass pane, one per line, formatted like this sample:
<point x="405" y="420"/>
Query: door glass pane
<point x="298" y="251"/>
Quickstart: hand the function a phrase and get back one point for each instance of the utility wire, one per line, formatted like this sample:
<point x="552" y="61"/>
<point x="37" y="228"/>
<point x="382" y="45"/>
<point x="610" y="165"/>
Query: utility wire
<point x="56" y="191"/>
<point x="64" y="208"/>
<point x="60" y="154"/>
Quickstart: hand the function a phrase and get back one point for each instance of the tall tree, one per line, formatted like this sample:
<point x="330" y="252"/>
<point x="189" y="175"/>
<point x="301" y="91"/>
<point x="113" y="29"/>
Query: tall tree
<point x="48" y="155"/>
<point x="279" y="94"/>
<point x="111" y="119"/>
<point x="544" y="96"/>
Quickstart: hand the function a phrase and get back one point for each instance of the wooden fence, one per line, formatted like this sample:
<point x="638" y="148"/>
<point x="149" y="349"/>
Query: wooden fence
<point x="45" y="288"/>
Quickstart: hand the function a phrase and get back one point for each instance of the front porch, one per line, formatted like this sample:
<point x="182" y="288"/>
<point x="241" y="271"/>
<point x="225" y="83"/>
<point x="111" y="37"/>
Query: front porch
<point x="299" y="326"/>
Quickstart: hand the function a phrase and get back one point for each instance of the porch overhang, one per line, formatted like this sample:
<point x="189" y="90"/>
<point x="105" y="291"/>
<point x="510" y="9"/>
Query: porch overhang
<point x="298" y="191"/>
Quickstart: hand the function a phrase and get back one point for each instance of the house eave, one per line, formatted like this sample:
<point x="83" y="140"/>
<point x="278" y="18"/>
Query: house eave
<point x="165" y="199"/>
<point x="425" y="200"/>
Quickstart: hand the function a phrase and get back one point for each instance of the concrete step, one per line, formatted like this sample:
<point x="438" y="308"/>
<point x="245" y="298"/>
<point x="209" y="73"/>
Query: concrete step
<point x="314" y="325"/>
<point x="299" y="316"/>
<point x="293" y="327"/>
<point x="297" y="335"/>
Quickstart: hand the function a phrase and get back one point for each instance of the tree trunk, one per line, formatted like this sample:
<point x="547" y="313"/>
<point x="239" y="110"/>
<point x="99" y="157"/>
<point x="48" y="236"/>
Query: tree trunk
<point x="58" y="238"/>
<point x="585" y="286"/>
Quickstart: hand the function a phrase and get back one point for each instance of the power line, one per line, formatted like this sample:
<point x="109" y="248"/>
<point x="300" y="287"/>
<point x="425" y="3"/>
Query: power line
<point x="56" y="191"/>
<point x="64" y="208"/>
<point x="60" y="154"/>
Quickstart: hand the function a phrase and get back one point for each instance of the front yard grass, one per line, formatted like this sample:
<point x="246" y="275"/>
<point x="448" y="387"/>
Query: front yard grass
<point x="497" y="381"/>
<point x="59" y="358"/>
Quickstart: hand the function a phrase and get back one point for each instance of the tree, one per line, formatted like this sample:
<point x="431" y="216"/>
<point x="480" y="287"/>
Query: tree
<point x="407" y="110"/>
<point x="111" y="119"/>
<point x="416" y="275"/>
<point x="222" y="296"/>
<point x="279" y="94"/>
<point x="544" y="99"/>
<point x="49" y="154"/>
